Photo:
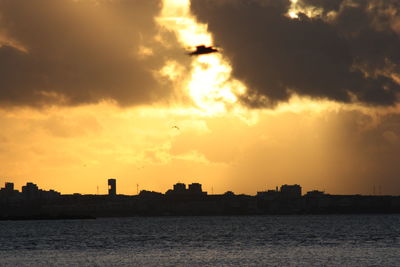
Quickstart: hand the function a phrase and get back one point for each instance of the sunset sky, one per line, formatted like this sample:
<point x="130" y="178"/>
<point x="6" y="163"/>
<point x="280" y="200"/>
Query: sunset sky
<point x="302" y="92"/>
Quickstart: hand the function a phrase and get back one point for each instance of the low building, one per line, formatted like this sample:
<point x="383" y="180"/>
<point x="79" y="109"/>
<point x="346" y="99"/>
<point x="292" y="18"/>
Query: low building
<point x="290" y="191"/>
<point x="180" y="189"/>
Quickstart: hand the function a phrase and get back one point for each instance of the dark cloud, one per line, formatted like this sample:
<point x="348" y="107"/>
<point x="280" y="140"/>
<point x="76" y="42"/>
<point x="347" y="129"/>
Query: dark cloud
<point x="74" y="52"/>
<point x="348" y="53"/>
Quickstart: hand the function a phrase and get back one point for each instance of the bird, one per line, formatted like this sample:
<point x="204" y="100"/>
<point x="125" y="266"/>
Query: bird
<point x="176" y="127"/>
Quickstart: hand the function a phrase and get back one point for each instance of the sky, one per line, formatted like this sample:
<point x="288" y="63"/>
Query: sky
<point x="301" y="92"/>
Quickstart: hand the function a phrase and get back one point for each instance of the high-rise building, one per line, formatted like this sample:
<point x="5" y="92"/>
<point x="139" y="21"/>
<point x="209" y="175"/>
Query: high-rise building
<point x="112" y="187"/>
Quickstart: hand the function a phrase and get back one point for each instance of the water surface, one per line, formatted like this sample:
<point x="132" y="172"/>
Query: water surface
<point x="355" y="240"/>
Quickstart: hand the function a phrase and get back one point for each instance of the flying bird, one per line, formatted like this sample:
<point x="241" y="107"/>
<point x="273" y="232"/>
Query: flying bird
<point x="176" y="127"/>
<point x="202" y="50"/>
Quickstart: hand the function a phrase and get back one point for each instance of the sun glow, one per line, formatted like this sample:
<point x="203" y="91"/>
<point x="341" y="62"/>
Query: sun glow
<point x="209" y="83"/>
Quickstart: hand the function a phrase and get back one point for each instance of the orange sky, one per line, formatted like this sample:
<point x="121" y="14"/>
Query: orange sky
<point x="77" y="149"/>
<point x="320" y="144"/>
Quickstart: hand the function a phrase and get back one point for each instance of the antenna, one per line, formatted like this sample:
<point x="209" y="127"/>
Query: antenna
<point x="137" y="189"/>
<point x="97" y="189"/>
<point x="212" y="190"/>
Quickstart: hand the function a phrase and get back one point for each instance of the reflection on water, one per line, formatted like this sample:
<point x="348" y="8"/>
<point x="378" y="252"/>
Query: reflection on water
<point x="264" y="240"/>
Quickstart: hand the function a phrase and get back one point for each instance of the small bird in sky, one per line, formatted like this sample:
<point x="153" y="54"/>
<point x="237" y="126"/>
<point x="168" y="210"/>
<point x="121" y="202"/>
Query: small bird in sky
<point x="202" y="49"/>
<point x="176" y="127"/>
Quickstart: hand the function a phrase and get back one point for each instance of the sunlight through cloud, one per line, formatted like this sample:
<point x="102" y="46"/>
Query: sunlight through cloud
<point x="209" y="85"/>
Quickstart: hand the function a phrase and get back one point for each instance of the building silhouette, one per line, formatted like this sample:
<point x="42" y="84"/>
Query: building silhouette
<point x="269" y="194"/>
<point x="286" y="191"/>
<point x="180" y="189"/>
<point x="291" y="191"/>
<point x="315" y="193"/>
<point x="8" y="190"/>
<point x="30" y="190"/>
<point x="9" y="187"/>
<point x="195" y="188"/>
<point x="112" y="187"/>
<point x="33" y="202"/>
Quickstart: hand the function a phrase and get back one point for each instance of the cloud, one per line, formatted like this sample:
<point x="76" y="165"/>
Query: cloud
<point x="347" y="53"/>
<point x="76" y="52"/>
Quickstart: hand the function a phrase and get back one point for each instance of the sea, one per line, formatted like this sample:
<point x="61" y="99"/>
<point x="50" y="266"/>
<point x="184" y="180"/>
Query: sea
<point x="332" y="240"/>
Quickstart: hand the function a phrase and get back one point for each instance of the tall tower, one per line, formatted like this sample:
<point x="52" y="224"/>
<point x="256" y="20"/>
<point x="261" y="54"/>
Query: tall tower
<point x="112" y="187"/>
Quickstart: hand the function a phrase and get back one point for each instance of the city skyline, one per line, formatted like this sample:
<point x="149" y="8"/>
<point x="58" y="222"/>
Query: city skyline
<point x="112" y="185"/>
<point x="35" y="203"/>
